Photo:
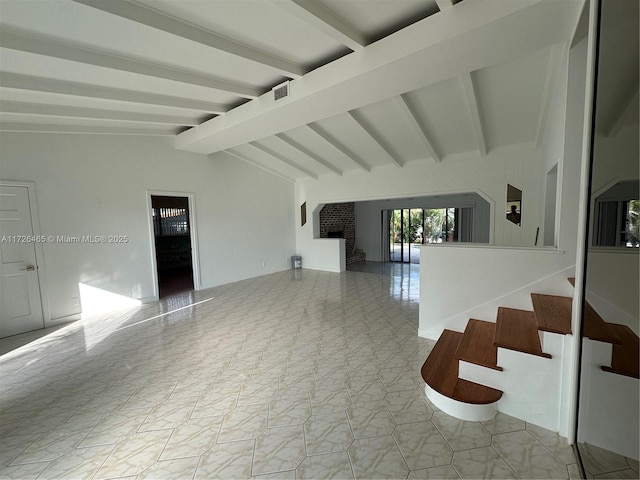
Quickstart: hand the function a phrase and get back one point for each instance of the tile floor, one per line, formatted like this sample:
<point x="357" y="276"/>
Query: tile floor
<point x="298" y="374"/>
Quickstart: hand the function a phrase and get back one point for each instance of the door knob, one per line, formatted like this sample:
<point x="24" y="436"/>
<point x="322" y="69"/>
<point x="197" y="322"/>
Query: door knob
<point x="29" y="268"/>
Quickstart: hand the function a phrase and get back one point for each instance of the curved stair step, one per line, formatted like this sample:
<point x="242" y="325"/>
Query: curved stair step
<point x="455" y="396"/>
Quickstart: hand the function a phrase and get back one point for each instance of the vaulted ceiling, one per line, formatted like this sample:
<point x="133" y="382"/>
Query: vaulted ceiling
<point x="371" y="83"/>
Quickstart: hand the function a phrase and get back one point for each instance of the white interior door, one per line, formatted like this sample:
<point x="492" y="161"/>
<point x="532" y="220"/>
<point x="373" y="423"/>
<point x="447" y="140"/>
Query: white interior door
<point x="20" y="306"/>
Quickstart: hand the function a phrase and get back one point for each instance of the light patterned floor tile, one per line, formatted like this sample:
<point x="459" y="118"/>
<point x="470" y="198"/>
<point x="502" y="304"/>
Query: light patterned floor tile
<point x="134" y="454"/>
<point x="422" y="446"/>
<point x="78" y="463"/>
<point x="27" y="471"/>
<point x="244" y="422"/>
<point x="377" y="457"/>
<point x="446" y="472"/>
<point x="192" y="438"/>
<point x="502" y="423"/>
<point x="333" y="400"/>
<point x="366" y="388"/>
<point x="408" y="406"/>
<point x="55" y="444"/>
<point x="227" y="460"/>
<point x="334" y="341"/>
<point x="115" y="427"/>
<point x="528" y="457"/>
<point x="288" y="475"/>
<point x="461" y="434"/>
<point x="370" y="419"/>
<point x="327" y="466"/>
<point x="279" y="449"/>
<point x="178" y="469"/>
<point x="12" y="446"/>
<point x="169" y="414"/>
<point x="214" y="403"/>
<point x="286" y="411"/>
<point x="481" y="462"/>
<point x="327" y="433"/>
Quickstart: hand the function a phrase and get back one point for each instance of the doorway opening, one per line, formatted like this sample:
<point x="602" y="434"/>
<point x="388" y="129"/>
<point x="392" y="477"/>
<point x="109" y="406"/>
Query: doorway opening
<point x="172" y="235"/>
<point x="412" y="227"/>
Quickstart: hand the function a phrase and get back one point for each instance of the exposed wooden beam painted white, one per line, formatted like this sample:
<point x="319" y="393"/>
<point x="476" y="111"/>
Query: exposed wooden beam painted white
<point x="478" y="35"/>
<point x="321" y="18"/>
<point x="301" y="148"/>
<point x="376" y="139"/>
<point x="444" y="4"/>
<point x="474" y="112"/>
<point x="36" y="84"/>
<point x="615" y="124"/>
<point x="166" y="23"/>
<point x="43" y="46"/>
<point x="47" y="128"/>
<point x="283" y="159"/>
<point x="556" y="56"/>
<point x="409" y="112"/>
<point x="339" y="146"/>
<point x="248" y="160"/>
<point x="39" y="109"/>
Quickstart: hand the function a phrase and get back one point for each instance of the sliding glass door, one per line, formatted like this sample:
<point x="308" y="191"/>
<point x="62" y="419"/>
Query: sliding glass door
<point x="412" y="227"/>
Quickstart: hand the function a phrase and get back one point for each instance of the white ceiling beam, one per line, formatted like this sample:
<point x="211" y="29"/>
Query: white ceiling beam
<point x="166" y="23"/>
<point x="480" y="34"/>
<point x="474" y="112"/>
<point x="283" y="159"/>
<point x="339" y="146"/>
<point x="315" y="157"/>
<point x="59" y="87"/>
<point x="419" y="128"/>
<point x="629" y="104"/>
<point x="86" y="129"/>
<point x="444" y="4"/>
<point x="255" y="163"/>
<point x="48" y="110"/>
<point x="376" y="139"/>
<point x="321" y="18"/>
<point x="43" y="46"/>
<point x="553" y="66"/>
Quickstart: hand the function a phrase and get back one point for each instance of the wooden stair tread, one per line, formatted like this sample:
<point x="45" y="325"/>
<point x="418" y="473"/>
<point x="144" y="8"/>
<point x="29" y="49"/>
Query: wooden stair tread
<point x="552" y="312"/>
<point x="517" y="330"/>
<point x="624" y="359"/>
<point x="476" y="345"/>
<point x="596" y="328"/>
<point x="440" y="372"/>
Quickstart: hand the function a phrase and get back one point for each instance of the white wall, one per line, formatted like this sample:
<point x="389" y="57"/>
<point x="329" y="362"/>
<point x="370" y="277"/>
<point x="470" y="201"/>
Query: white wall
<point x="487" y="175"/>
<point x="98" y="185"/>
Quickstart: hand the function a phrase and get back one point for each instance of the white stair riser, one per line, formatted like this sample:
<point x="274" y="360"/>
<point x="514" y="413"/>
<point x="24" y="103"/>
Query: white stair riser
<point x="463" y="411"/>
<point x="531" y="384"/>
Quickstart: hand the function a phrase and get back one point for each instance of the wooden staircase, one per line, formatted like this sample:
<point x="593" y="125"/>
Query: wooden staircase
<point x="519" y="331"/>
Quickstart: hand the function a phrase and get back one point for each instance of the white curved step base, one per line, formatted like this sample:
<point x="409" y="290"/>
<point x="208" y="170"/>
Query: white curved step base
<point x="461" y="410"/>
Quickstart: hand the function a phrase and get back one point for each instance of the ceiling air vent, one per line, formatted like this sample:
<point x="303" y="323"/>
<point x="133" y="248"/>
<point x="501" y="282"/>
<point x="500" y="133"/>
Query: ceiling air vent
<point x="281" y="91"/>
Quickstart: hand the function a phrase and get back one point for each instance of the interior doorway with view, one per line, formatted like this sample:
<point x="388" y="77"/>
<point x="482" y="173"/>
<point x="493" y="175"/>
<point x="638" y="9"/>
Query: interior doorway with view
<point x="411" y="227"/>
<point x="172" y="235"/>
